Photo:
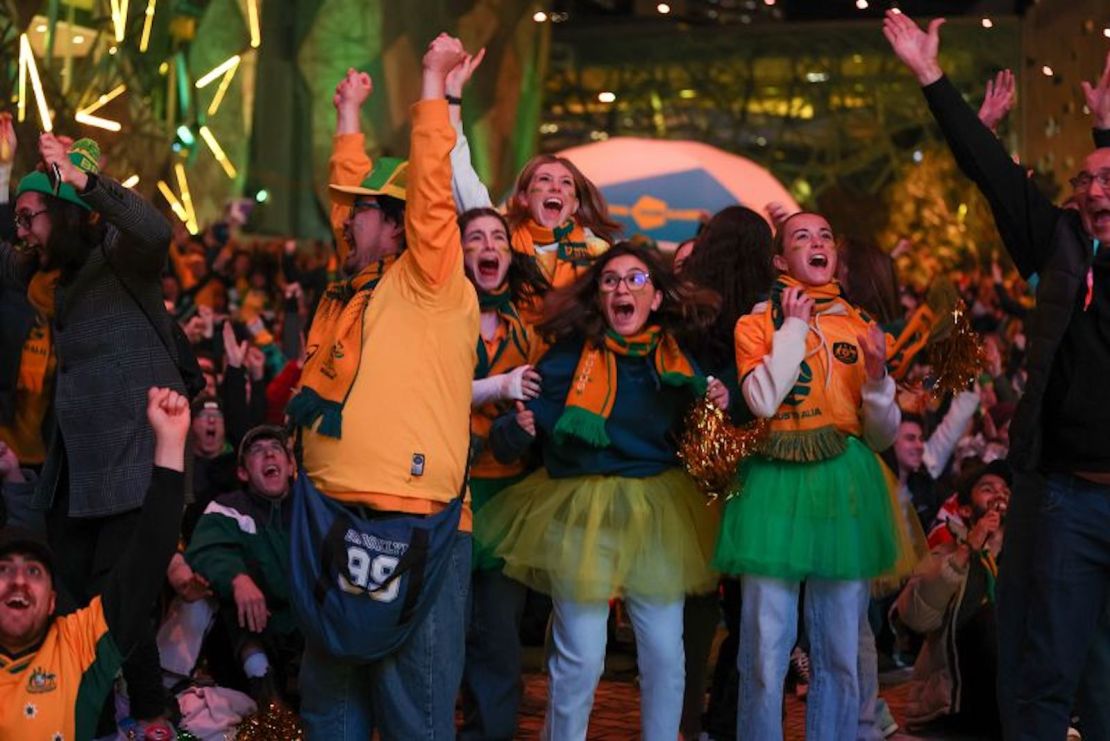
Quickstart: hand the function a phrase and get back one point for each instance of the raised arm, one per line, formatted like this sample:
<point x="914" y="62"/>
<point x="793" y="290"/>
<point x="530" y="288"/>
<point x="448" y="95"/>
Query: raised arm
<point x="1025" y="218"/>
<point x="7" y="160"/>
<point x="12" y="268"/>
<point x="143" y="239"/>
<point x="998" y="100"/>
<point x="1098" y="103"/>
<point x="942" y="443"/>
<point x="349" y="164"/>
<point x="134" y="583"/>
<point x="430" y="218"/>
<point x="466" y="186"/>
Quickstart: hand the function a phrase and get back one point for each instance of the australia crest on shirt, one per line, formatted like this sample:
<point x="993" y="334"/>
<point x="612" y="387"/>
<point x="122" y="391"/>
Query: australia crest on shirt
<point x="41" y="681"/>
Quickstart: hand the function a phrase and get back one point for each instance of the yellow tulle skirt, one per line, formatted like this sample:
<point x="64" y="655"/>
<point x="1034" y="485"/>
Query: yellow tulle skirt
<point x="910" y="540"/>
<point x="591" y="538"/>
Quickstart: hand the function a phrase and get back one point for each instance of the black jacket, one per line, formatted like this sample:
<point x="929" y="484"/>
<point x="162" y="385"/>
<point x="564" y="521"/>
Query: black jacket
<point x="1041" y="238"/>
<point x="108" y="355"/>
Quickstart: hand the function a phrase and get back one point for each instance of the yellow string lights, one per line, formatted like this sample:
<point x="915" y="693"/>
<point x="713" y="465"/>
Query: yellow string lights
<point x="227" y="69"/>
<point x="84" y="115"/>
<point x="119" y="18"/>
<point x="217" y="151"/>
<point x="148" y="24"/>
<point x="253" y="21"/>
<point x="175" y="204"/>
<point x="28" y="68"/>
<point x="186" y="199"/>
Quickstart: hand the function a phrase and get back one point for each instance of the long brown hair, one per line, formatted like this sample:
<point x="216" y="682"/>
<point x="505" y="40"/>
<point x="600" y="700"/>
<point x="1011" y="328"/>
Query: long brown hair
<point x="74" y="233"/>
<point x="731" y="256"/>
<point x="576" y="309"/>
<point x="592" y="213"/>
<point x="870" y="280"/>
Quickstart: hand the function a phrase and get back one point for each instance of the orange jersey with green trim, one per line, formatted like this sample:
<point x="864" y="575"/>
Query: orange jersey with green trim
<point x="56" y="693"/>
<point x="830" y="381"/>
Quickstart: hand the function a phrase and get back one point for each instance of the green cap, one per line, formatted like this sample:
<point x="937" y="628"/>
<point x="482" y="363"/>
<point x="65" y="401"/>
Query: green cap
<point x="388" y="178"/>
<point x="84" y="154"/>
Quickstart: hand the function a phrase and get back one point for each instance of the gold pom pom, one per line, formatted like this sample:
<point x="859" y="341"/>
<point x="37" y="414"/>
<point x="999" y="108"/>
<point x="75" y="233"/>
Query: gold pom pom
<point x="712" y="448"/>
<point x="276" y="723"/>
<point x="958" y="359"/>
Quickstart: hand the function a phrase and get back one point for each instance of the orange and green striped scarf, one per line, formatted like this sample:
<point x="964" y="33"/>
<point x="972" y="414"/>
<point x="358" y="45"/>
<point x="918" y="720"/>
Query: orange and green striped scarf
<point x="572" y="258"/>
<point x="514" y="348"/>
<point x="593" y="390"/>
<point x="333" y="351"/>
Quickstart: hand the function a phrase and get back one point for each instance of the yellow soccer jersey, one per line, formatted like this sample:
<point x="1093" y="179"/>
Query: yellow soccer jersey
<point x="56" y="692"/>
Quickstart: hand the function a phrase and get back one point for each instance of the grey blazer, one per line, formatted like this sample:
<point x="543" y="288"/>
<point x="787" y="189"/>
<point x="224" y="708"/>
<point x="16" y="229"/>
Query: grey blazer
<point x="108" y="355"/>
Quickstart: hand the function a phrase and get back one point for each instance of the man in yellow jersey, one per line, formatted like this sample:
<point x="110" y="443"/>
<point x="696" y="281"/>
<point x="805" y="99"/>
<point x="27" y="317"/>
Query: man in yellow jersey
<point x="384" y="403"/>
<point x="55" y="672"/>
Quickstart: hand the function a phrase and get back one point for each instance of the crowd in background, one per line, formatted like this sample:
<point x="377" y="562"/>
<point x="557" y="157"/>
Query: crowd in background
<point x="246" y="308"/>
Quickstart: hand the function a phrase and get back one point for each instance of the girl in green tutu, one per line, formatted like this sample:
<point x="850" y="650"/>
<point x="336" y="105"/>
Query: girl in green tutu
<point x="814" y="507"/>
<point x="611" y="513"/>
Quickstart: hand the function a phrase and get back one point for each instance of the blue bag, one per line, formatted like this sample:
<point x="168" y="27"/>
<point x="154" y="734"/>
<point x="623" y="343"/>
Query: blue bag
<point x="360" y="585"/>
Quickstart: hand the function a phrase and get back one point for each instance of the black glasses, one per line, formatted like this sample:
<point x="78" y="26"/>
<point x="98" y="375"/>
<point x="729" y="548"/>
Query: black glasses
<point x="23" y="219"/>
<point x="636" y="280"/>
<point x="1083" y="180"/>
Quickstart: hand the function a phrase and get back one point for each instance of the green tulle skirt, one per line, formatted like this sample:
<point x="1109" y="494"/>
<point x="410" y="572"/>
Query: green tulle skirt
<point x="831" y="519"/>
<point x="482" y="492"/>
<point x="591" y="538"/>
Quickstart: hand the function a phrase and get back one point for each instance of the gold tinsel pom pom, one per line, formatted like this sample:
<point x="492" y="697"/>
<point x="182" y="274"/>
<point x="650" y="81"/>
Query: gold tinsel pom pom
<point x="958" y="359"/>
<point x="712" y="448"/>
<point x="277" y="723"/>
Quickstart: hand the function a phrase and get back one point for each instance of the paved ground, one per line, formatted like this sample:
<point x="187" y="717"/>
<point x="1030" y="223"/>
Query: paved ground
<point x="616" y="712"/>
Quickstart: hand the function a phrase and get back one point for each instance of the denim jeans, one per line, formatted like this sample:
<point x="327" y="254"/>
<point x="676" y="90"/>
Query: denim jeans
<point x="406" y="696"/>
<point x="1093" y="705"/>
<point x="579" y="633"/>
<point x="768" y="630"/>
<point x="1015" y="564"/>
<point x="868" y="682"/>
<point x="492" y="684"/>
<point x="1052" y="591"/>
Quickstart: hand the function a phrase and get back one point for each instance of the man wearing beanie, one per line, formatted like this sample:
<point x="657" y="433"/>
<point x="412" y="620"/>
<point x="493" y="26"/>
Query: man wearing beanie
<point x="97" y="250"/>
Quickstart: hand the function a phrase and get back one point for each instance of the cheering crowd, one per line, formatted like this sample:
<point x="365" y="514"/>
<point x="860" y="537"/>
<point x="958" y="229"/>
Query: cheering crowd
<point x="316" y="491"/>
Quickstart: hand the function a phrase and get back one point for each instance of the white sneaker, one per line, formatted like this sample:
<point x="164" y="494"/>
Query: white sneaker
<point x="884" y="721"/>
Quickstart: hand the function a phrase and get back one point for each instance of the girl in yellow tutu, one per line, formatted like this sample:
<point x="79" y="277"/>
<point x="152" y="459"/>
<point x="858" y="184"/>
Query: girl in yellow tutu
<point x="815" y="506"/>
<point x="611" y="513"/>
